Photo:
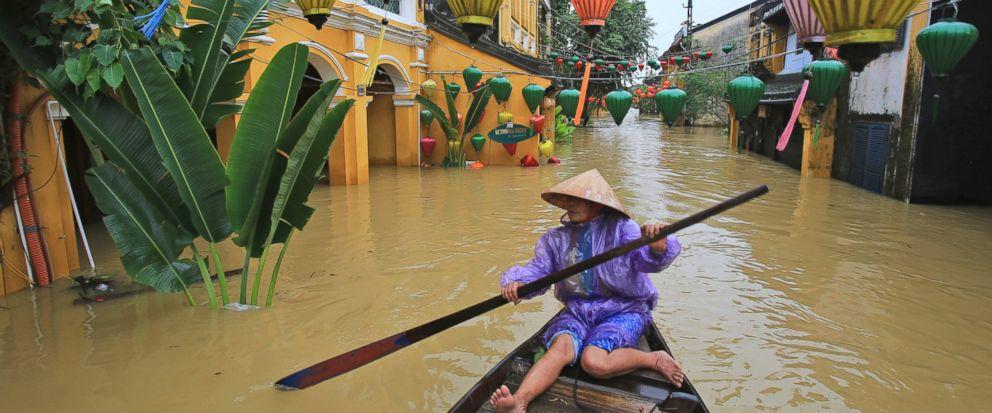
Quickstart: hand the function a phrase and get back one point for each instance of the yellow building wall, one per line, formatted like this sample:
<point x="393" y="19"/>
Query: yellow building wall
<point x="449" y="55"/>
<point x="51" y="200"/>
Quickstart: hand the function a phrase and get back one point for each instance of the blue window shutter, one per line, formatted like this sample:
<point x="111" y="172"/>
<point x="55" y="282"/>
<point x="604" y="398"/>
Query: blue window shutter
<point x="869" y="151"/>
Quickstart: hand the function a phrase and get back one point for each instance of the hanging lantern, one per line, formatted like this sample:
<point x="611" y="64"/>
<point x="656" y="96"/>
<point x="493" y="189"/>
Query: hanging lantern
<point x="454" y="88"/>
<point x="860" y="27"/>
<point x="537" y="121"/>
<point x="511" y="148"/>
<point x="826" y="77"/>
<point x="670" y="103"/>
<point x="653" y="63"/>
<point x="471" y="75"/>
<point x="599" y="62"/>
<point x="546" y="147"/>
<point x="593" y="14"/>
<point x="578" y="65"/>
<point x="428" y="88"/>
<point x="427" y="144"/>
<point x="501" y="88"/>
<point x="426" y="117"/>
<point x="745" y="92"/>
<point x="618" y="103"/>
<point x="478" y="142"/>
<point x="727" y="48"/>
<point x="474" y="16"/>
<point x="553" y="55"/>
<point x="569" y="101"/>
<point x="504" y="117"/>
<point x="944" y="44"/>
<point x="640" y="66"/>
<point x="574" y="59"/>
<point x="695" y="55"/>
<point x="533" y="94"/>
<point x="559" y="61"/>
<point x="709" y="54"/>
<point x="807" y="25"/>
<point x="316" y="11"/>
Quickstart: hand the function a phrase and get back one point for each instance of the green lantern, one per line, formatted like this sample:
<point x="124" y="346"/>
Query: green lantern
<point x="553" y="55"/>
<point x="533" y="95"/>
<point x="426" y="117"/>
<point x="569" y="101"/>
<point x="745" y="92"/>
<point x="653" y="63"/>
<point x="574" y="59"/>
<point x="670" y="103"/>
<point x="478" y="142"/>
<point x="944" y="43"/>
<point x="454" y="88"/>
<point x="826" y="78"/>
<point x="599" y="62"/>
<point x="472" y="75"/>
<point x="501" y="88"/>
<point x="727" y="48"/>
<point x="618" y="103"/>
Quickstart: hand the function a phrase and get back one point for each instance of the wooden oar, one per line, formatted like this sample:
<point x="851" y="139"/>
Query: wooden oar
<point x="368" y="353"/>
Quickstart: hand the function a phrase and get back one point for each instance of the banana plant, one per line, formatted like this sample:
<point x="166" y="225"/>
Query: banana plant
<point x="450" y="123"/>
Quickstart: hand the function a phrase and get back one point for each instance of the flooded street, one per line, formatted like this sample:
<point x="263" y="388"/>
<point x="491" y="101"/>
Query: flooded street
<point x="818" y="296"/>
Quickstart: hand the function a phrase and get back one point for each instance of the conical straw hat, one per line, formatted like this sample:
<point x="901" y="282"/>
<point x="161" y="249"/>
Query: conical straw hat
<point x="589" y="186"/>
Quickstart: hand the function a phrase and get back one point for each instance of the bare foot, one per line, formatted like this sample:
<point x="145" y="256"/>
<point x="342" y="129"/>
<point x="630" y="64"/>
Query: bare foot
<point x="665" y="365"/>
<point x="504" y="402"/>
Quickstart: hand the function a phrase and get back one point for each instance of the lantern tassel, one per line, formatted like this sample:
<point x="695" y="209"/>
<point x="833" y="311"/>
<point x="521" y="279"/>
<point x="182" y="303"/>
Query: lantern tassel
<point x="936" y="108"/>
<point x="816" y="135"/>
<point x="374" y="60"/>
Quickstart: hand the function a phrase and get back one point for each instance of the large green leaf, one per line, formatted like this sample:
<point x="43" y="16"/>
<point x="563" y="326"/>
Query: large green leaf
<point x="230" y="86"/>
<point x="306" y="121"/>
<point x="449" y="132"/>
<point x="149" y="244"/>
<point x="303" y="167"/>
<point x="479" y="101"/>
<point x="205" y="41"/>
<point x="268" y="109"/>
<point x="124" y="138"/>
<point x="181" y="142"/>
<point x="449" y="97"/>
<point x="246" y="21"/>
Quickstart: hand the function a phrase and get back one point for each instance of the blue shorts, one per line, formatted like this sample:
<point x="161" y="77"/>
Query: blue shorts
<point x="610" y="333"/>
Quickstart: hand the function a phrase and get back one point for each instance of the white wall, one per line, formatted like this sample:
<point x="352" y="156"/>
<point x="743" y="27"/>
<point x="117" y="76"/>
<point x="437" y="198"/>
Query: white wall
<point x="879" y="88"/>
<point x="794" y="63"/>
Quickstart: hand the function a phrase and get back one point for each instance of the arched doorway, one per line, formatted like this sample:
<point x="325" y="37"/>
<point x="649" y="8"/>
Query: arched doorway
<point x="381" y="119"/>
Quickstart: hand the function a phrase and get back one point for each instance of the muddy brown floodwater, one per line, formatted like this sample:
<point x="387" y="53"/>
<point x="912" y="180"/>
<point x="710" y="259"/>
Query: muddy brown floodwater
<point x="818" y="296"/>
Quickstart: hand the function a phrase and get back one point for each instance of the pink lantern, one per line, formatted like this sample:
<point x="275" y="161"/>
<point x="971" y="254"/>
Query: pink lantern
<point x="805" y="22"/>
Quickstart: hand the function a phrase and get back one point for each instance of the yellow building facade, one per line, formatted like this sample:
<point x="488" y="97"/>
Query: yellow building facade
<point x="382" y="129"/>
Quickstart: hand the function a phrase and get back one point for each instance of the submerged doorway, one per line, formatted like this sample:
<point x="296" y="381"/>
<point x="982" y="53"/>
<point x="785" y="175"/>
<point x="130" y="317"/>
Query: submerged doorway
<point x="382" y="120"/>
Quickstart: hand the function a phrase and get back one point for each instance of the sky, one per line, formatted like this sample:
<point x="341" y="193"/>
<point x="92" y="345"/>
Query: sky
<point x="668" y="15"/>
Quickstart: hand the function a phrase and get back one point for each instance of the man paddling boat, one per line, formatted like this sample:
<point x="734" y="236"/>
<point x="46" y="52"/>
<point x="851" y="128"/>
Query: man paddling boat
<point x="608" y="306"/>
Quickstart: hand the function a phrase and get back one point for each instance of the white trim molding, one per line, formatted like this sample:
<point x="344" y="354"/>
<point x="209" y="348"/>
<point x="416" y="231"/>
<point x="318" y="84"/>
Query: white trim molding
<point x="326" y="53"/>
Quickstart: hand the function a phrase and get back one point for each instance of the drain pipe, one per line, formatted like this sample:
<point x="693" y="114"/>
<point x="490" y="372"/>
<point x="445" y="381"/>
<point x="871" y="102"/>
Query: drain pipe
<point x="65" y="173"/>
<point x="24" y="243"/>
<point x="22" y="189"/>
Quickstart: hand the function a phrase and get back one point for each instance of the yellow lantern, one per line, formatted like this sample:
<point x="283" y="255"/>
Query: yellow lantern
<point x="475" y="16"/>
<point x="546" y="147"/>
<point x="316" y="11"/>
<point x="859" y="27"/>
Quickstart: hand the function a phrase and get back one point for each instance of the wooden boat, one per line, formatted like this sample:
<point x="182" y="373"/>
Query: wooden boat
<point x="575" y="391"/>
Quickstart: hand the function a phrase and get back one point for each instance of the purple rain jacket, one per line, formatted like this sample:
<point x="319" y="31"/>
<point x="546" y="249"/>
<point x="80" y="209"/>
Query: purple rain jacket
<point x="617" y="286"/>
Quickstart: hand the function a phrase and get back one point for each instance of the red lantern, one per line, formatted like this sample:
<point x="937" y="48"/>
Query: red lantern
<point x="651" y="89"/>
<point x="427" y="146"/>
<point x="663" y="63"/>
<point x="593" y="14"/>
<point x="511" y="148"/>
<point x="671" y="60"/>
<point x="709" y="54"/>
<point x="578" y="66"/>
<point x="620" y="66"/>
<point x="559" y="60"/>
<point x="538" y="122"/>
<point x="695" y="55"/>
<point x="666" y="84"/>
<point x="640" y="66"/>
<point x="528" y="161"/>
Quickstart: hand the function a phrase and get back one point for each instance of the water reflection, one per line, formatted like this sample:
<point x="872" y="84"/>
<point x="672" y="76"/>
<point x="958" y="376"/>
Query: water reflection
<point x="818" y="296"/>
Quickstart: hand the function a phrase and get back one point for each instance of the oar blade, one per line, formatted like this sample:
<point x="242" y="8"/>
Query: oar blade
<point x="333" y="367"/>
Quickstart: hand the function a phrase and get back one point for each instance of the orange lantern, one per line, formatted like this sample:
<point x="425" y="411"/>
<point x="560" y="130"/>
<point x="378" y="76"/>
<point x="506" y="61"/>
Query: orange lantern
<point x="593" y="14"/>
